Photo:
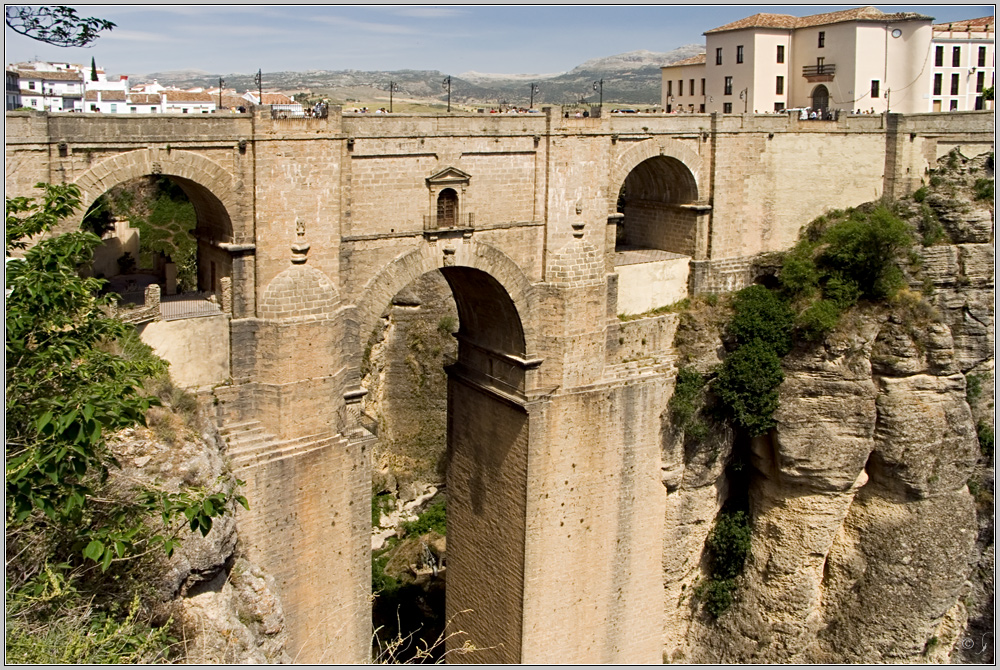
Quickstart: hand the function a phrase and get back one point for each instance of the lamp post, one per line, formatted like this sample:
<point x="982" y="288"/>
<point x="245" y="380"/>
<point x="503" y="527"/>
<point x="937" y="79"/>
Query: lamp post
<point x="447" y="84"/>
<point x="745" y="98"/>
<point x="392" y="89"/>
<point x="599" y="86"/>
<point x="258" y="79"/>
<point x="222" y="82"/>
<point x="534" y="89"/>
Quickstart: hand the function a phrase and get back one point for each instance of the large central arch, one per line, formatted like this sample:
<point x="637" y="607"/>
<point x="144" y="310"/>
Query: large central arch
<point x="487" y="439"/>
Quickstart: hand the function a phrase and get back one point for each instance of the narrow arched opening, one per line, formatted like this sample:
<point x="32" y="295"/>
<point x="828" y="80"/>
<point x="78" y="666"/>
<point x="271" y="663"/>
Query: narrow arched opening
<point x="445" y="384"/>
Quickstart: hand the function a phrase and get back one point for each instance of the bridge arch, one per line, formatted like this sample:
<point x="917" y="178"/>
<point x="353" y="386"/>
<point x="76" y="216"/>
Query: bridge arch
<point x="488" y="425"/>
<point x="656" y="193"/>
<point x="209" y="188"/>
<point x="206" y="183"/>
<point x="634" y="156"/>
<point x="407" y="267"/>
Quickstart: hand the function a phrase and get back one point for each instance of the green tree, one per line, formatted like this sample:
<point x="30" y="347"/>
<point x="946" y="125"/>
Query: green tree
<point x="58" y="25"/>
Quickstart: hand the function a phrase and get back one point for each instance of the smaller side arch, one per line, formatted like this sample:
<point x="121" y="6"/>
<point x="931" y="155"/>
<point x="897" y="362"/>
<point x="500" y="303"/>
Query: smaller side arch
<point x="632" y="157"/>
<point x="206" y="182"/>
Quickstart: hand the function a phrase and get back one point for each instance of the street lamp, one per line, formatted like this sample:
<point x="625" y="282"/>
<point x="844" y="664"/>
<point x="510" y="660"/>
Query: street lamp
<point x="258" y="79"/>
<point x="222" y="82"/>
<point x="599" y="86"/>
<point x="745" y="98"/>
<point x="534" y="89"/>
<point x="392" y="89"/>
<point x="447" y="84"/>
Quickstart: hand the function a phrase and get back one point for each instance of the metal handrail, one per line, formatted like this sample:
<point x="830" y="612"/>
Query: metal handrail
<point x="467" y="220"/>
<point x="817" y="70"/>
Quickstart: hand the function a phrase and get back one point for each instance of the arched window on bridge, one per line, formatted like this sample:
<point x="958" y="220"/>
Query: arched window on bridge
<point x="448" y="204"/>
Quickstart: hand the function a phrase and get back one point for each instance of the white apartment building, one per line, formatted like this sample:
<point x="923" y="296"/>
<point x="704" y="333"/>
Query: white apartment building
<point x="964" y="64"/>
<point x="51" y="90"/>
<point x="684" y="86"/>
<point x="858" y="59"/>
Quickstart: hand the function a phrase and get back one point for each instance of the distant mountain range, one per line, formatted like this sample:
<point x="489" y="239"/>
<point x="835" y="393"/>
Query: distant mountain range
<point x="632" y="77"/>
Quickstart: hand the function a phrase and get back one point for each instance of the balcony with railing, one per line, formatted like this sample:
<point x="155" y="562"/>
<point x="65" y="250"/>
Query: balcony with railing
<point x="819" y="72"/>
<point x="459" y="222"/>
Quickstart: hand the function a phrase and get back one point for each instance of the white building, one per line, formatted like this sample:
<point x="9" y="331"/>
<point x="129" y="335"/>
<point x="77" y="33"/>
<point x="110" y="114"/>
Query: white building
<point x="850" y="60"/>
<point x="279" y="103"/>
<point x="51" y="90"/>
<point x="12" y="97"/>
<point x="963" y="58"/>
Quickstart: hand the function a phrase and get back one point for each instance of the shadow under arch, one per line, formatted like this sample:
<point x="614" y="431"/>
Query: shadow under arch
<point x="659" y="206"/>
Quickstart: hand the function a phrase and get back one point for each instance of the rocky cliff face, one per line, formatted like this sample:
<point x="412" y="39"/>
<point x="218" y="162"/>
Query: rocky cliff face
<point x="222" y="607"/>
<point x="872" y="527"/>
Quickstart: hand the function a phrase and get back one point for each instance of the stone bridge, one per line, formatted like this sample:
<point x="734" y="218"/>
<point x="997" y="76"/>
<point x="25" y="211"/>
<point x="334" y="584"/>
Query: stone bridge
<point x="545" y="228"/>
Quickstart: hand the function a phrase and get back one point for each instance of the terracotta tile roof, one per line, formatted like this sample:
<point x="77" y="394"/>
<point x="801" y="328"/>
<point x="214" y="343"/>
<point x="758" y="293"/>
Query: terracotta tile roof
<point x="693" y="60"/>
<point x="187" y="96"/>
<point x="50" y="76"/>
<point x="230" y="101"/>
<point x="788" y="22"/>
<point x="106" y="96"/>
<point x="277" y="99"/>
<point x="984" y="24"/>
<point x="144" y="98"/>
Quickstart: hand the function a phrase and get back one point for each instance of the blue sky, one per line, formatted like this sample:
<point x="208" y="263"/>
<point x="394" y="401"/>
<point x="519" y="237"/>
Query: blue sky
<point x="508" y="39"/>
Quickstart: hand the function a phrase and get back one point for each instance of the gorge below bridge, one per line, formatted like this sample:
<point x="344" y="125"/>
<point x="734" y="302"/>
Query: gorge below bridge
<point x="546" y="228"/>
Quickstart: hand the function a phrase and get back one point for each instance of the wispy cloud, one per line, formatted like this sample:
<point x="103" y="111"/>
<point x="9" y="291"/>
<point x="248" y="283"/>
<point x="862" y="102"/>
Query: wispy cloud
<point x="119" y="35"/>
<point x="366" y="26"/>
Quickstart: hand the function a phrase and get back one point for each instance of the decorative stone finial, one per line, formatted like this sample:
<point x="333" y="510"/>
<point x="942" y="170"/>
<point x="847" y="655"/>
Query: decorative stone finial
<point x="300" y="248"/>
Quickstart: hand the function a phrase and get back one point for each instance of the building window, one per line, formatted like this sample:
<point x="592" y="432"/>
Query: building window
<point x="727" y="108"/>
<point x="93" y="108"/>
<point x="956" y="57"/>
<point x="954" y="84"/>
<point x="718" y="56"/>
<point x="114" y="108"/>
<point x="31" y="85"/>
<point x="937" y="84"/>
<point x="184" y="110"/>
<point x="670" y="87"/>
<point x="938" y="56"/>
<point x="822" y="39"/>
<point x="779" y="86"/>
<point x="692" y="86"/>
<point x="980" y="104"/>
<point x="779" y="106"/>
<point x="980" y="80"/>
<point x="701" y="107"/>
<point x="703" y="87"/>
<point x="954" y="106"/>
<point x="982" y="56"/>
<point x="781" y="53"/>
<point x="875" y="89"/>
<point x="728" y="86"/>
<point x="133" y="109"/>
<point x="152" y="110"/>
<point x="680" y="88"/>
<point x="739" y="53"/>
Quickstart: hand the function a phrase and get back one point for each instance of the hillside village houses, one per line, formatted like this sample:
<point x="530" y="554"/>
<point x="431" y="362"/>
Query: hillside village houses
<point x="855" y="60"/>
<point x="69" y="87"/>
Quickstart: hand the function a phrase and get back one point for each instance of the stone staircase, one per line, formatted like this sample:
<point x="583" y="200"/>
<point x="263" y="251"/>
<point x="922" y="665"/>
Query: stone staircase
<point x="250" y="445"/>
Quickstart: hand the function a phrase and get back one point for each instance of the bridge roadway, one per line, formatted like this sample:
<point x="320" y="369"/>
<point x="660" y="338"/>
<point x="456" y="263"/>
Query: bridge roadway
<point x="308" y="227"/>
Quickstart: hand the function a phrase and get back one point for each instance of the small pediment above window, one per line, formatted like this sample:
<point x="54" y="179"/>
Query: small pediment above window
<point x="450" y="176"/>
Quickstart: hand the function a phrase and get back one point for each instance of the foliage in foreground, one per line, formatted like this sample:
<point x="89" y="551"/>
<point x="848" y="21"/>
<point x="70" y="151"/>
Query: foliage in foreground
<point x="74" y="534"/>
